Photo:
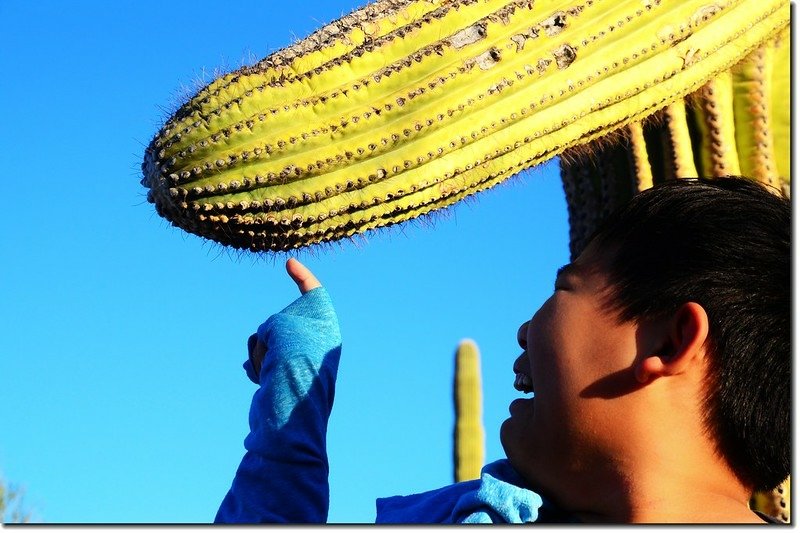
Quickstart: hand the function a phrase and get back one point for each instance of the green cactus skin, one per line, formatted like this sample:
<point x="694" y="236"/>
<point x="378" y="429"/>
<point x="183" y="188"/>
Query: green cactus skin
<point x="468" y="433"/>
<point x="731" y="125"/>
<point x="407" y="106"/>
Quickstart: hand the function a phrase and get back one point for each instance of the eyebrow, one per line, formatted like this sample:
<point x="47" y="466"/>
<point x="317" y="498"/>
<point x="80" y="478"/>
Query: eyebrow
<point x="568" y="270"/>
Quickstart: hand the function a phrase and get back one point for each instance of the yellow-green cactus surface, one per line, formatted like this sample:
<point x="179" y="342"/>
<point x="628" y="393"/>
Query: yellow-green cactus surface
<point x="407" y="106"/>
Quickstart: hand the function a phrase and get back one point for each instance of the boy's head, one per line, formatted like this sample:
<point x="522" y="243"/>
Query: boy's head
<point x="689" y="280"/>
<point x="724" y="244"/>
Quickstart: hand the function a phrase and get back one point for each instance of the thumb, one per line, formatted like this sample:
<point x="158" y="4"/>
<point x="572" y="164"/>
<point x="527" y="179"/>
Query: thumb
<point x="302" y="276"/>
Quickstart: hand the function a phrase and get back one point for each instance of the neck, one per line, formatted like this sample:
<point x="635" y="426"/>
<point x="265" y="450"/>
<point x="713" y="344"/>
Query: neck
<point x="680" y="502"/>
<point x="651" y="483"/>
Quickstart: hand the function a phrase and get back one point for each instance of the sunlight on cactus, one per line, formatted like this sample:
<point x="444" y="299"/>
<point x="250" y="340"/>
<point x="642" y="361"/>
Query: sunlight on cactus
<point x="404" y="107"/>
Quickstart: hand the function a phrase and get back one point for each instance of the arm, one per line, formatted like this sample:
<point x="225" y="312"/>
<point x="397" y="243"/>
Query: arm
<point x="283" y="476"/>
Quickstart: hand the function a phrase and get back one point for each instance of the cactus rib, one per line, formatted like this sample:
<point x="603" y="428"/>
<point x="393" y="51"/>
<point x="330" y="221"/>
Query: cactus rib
<point x="641" y="161"/>
<point x="716" y="123"/>
<point x="779" y="101"/>
<point x="751" y="81"/>
<point x="680" y="141"/>
<point x="377" y="118"/>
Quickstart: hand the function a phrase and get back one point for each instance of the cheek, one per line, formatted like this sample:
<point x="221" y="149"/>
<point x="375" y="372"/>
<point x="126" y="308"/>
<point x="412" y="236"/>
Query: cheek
<point x="565" y="348"/>
<point x="548" y="341"/>
<point x="539" y="326"/>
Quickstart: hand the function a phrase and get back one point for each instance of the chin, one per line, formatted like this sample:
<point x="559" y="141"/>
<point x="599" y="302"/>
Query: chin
<point x="507" y="436"/>
<point x="518" y="443"/>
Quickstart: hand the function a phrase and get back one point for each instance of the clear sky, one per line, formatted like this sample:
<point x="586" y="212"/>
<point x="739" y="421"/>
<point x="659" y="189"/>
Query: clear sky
<point x="122" y="338"/>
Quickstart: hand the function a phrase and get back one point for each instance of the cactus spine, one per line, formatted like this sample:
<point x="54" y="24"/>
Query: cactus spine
<point x="468" y="434"/>
<point x="403" y="107"/>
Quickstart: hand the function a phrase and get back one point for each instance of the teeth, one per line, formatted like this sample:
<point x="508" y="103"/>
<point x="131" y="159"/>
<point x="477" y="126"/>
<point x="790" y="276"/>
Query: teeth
<point x="523" y="382"/>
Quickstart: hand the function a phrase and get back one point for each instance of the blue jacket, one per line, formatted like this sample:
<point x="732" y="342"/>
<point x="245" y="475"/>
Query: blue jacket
<point x="283" y="476"/>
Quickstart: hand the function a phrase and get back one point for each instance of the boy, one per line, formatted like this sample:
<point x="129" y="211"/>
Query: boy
<point x="661" y="366"/>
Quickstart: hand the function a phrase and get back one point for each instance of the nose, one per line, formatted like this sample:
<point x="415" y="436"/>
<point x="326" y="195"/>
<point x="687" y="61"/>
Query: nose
<point x="522" y="335"/>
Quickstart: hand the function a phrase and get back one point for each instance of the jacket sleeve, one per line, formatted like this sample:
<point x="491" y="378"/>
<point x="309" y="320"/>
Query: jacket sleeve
<point x="283" y="476"/>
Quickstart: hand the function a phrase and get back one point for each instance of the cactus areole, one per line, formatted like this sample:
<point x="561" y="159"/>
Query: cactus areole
<point x="407" y="106"/>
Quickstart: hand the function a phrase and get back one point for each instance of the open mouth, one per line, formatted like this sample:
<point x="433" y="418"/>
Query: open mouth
<point x="523" y="383"/>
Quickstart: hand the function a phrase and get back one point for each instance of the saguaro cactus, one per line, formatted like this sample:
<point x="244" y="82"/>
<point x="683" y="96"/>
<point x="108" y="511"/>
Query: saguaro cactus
<point x="737" y="123"/>
<point x="406" y="106"/>
<point x="468" y="434"/>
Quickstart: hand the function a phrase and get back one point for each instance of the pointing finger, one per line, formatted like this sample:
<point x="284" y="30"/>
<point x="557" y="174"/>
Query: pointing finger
<point x="302" y="276"/>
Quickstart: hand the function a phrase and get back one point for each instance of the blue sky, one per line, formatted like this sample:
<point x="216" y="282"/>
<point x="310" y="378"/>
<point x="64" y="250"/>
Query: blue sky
<point x="122" y="338"/>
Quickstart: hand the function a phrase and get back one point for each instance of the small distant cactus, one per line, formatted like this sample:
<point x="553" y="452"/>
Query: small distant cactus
<point x="468" y="434"/>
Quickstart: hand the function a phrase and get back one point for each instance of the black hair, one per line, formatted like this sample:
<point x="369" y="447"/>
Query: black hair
<point x="725" y="244"/>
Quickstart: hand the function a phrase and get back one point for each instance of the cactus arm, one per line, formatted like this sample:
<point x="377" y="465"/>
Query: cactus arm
<point x="468" y="434"/>
<point x="641" y="160"/>
<point x="278" y="156"/>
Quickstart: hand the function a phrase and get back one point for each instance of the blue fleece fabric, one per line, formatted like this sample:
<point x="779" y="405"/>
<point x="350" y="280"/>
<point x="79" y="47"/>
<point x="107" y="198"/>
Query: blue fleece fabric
<point x="283" y="476"/>
<point x="497" y="497"/>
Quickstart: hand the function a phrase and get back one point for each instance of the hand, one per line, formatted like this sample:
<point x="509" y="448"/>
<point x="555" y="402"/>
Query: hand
<point x="305" y="281"/>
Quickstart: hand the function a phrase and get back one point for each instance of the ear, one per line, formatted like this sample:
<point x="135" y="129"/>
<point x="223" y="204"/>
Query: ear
<point x="681" y="344"/>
